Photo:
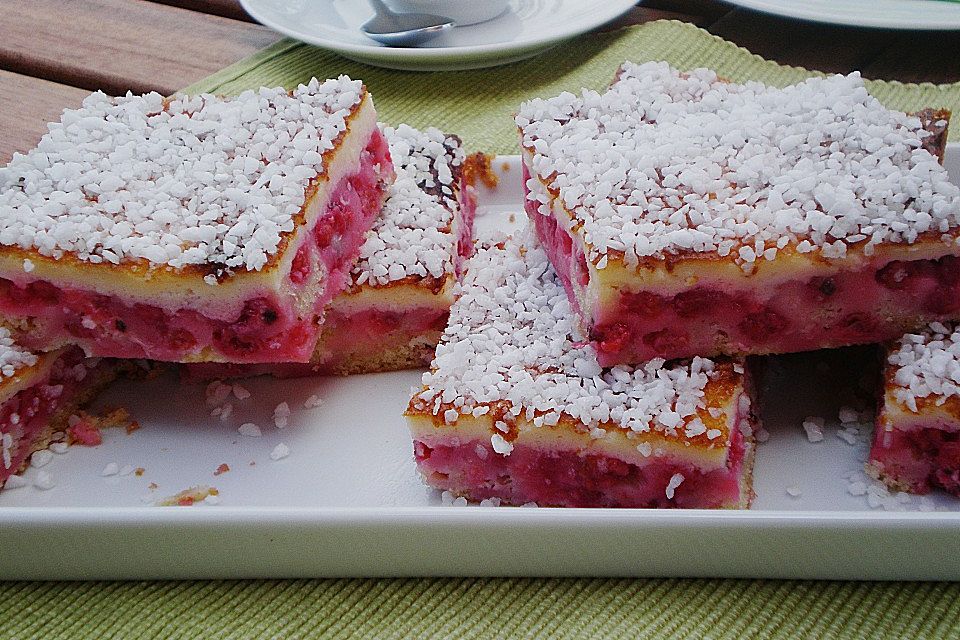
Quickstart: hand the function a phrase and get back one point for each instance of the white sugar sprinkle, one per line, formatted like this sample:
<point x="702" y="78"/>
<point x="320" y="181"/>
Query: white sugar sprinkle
<point x="794" y="492"/>
<point x="240" y="393"/>
<point x="12" y="356"/>
<point x="111" y="469"/>
<point x="512" y="340"/>
<point x="813" y="426"/>
<point x="193" y="180"/>
<point x="279" y="452"/>
<point x="15" y="482"/>
<point x="415" y="235"/>
<point x="665" y="163"/>
<point x="59" y="447"/>
<point x="500" y="445"/>
<point x="848" y="415"/>
<point x="41" y="458"/>
<point x="250" y="430"/>
<point x="675" y="481"/>
<point x="43" y="481"/>
<point x="312" y="402"/>
<point x="925" y="364"/>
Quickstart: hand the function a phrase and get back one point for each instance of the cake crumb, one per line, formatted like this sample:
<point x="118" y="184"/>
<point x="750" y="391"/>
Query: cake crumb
<point x="83" y="431"/>
<point x="139" y="471"/>
<point x="223" y="468"/>
<point x="188" y="497"/>
<point x="153" y="486"/>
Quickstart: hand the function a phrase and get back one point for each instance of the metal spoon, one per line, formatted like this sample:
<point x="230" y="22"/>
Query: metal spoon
<point x="403" y="29"/>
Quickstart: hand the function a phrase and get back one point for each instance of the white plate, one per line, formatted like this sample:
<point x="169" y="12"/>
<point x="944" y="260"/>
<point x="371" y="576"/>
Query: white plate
<point x="888" y="14"/>
<point x="348" y="501"/>
<point x="527" y="28"/>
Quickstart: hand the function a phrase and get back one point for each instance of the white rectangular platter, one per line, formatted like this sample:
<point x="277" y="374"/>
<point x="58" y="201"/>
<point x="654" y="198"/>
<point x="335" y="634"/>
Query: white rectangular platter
<point x="347" y="500"/>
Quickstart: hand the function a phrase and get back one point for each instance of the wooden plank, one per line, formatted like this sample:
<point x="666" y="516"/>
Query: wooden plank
<point x="804" y="44"/>
<point x="225" y="8"/>
<point x="919" y="57"/>
<point x="121" y="45"/>
<point x="26" y="106"/>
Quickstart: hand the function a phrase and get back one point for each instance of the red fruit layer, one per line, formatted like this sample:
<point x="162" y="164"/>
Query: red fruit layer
<point x="853" y="307"/>
<point x="571" y="479"/>
<point x="27" y="414"/>
<point x="918" y="459"/>
<point x="347" y="339"/>
<point x="268" y="328"/>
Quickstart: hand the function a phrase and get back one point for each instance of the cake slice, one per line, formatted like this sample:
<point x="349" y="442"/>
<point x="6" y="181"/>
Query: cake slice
<point x="516" y="408"/>
<point x="691" y="216"/>
<point x="916" y="442"/>
<point x="193" y="228"/>
<point x="392" y="314"/>
<point x="38" y="394"/>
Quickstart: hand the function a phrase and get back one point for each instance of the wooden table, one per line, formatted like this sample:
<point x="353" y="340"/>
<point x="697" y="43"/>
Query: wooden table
<point x="53" y="52"/>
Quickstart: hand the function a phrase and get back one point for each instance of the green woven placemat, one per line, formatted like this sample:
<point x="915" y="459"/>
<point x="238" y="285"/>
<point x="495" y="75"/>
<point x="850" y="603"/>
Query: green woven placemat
<point x="478" y="105"/>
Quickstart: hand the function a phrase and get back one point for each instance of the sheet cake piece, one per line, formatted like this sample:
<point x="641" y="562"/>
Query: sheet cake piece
<point x="38" y="394"/>
<point x="516" y="407"/>
<point x="692" y="216"/>
<point x="194" y="228"/>
<point x="916" y="444"/>
<point x="394" y="311"/>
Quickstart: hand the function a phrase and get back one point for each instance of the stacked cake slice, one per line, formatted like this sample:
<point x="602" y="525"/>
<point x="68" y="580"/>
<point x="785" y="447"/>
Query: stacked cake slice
<point x="393" y="311"/>
<point x="691" y="216"/>
<point x="516" y="409"/>
<point x="193" y="228"/>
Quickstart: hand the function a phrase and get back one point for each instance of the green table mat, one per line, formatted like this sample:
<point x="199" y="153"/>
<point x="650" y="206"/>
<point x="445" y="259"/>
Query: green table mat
<point x="478" y="105"/>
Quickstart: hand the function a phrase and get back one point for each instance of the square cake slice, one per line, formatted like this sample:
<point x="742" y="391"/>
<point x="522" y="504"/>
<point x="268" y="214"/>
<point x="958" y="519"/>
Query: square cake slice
<point x="689" y="216"/>
<point x="38" y="394"/>
<point x="194" y="228"/>
<point x="517" y="408"/>
<point x="394" y="311"/>
<point x="916" y="444"/>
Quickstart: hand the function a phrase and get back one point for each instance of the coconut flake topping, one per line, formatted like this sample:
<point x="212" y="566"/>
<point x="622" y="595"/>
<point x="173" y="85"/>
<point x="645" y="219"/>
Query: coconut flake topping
<point x="512" y="339"/>
<point x="665" y="163"/>
<point x="415" y="234"/>
<point x="12" y="356"/>
<point x="198" y="180"/>
<point x="927" y="364"/>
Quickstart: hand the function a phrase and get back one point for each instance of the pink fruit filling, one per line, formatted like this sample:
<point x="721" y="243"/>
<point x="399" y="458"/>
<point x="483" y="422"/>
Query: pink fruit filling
<point x="25" y="416"/>
<point x="872" y="305"/>
<point x="348" y="341"/>
<point x="918" y="459"/>
<point x="268" y="327"/>
<point x="571" y="479"/>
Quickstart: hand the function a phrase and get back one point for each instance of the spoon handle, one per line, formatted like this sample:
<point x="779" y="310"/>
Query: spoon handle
<point x="380" y="7"/>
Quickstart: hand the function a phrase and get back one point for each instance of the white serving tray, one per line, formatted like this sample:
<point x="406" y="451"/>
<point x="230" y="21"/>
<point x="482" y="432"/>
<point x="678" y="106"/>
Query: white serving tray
<point x="348" y="501"/>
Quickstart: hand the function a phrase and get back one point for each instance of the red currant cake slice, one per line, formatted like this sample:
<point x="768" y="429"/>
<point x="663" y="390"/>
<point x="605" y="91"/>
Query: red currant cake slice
<point x="193" y="228"/>
<point x="394" y="311"/>
<point x="916" y="443"/>
<point x="38" y="394"/>
<point x="515" y="406"/>
<point x="691" y="216"/>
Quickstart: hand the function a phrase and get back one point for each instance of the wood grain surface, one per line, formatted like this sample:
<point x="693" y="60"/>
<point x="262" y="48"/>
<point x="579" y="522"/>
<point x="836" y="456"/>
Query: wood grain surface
<point x="26" y="106"/>
<point x="121" y="45"/>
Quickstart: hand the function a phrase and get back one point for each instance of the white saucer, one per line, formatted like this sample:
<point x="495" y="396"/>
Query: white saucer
<point x="888" y="14"/>
<point x="525" y="29"/>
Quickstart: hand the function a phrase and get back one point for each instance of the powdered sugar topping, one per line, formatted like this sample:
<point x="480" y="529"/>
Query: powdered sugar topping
<point x="927" y="364"/>
<point x="667" y="163"/>
<point x="415" y="234"/>
<point x="512" y="341"/>
<point x="13" y="357"/>
<point x="196" y="180"/>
